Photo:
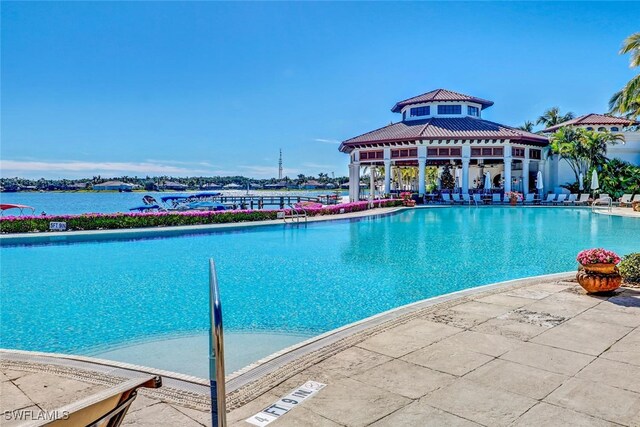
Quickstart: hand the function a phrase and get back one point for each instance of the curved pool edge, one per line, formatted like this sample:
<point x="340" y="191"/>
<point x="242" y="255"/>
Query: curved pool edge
<point x="177" y="385"/>
<point x="131" y="233"/>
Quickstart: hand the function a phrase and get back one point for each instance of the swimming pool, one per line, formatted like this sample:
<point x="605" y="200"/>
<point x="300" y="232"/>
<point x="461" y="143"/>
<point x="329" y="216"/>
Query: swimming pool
<point x="91" y="297"/>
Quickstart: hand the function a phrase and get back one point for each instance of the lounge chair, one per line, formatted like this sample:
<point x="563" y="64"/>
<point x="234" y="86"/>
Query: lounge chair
<point x="446" y="198"/>
<point x="550" y="198"/>
<point x="560" y="199"/>
<point x="571" y="199"/>
<point x="528" y="198"/>
<point x="496" y="198"/>
<point x="104" y="409"/>
<point x="477" y="199"/>
<point x="466" y="198"/>
<point x="583" y="199"/>
<point x="625" y="200"/>
<point x="456" y="198"/>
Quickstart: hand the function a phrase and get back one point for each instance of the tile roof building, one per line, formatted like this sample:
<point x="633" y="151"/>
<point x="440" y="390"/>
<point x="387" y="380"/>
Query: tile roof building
<point x="443" y="129"/>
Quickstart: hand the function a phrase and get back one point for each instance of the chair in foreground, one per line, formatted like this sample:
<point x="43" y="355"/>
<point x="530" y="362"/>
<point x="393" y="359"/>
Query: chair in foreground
<point x="446" y="198"/>
<point x="583" y="199"/>
<point x="456" y="198"/>
<point x="477" y="199"/>
<point x="528" y="199"/>
<point x="104" y="409"/>
<point x="571" y="199"/>
<point x="466" y="198"/>
<point x="561" y="198"/>
<point x="496" y="198"/>
<point x="550" y="199"/>
<point x="625" y="200"/>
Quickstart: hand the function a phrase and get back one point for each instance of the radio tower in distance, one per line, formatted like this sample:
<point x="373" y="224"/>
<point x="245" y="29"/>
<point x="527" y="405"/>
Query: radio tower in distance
<point x="280" y="165"/>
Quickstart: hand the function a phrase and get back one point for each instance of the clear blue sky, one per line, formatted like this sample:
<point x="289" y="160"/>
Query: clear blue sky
<point x="199" y="88"/>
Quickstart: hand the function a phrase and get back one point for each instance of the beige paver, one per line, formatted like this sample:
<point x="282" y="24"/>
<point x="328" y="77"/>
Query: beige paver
<point x="505" y="300"/>
<point x="510" y="328"/>
<point x="50" y="391"/>
<point x="548" y="358"/>
<point x="516" y="378"/>
<point x="448" y="357"/>
<point x="616" y="374"/>
<point x="409" y="337"/>
<point x="480" y="403"/>
<point x="352" y="361"/>
<point x="354" y="403"/>
<point x="599" y="400"/>
<point x="626" y="350"/>
<point x="12" y="397"/>
<point x="544" y="414"/>
<point x="419" y="413"/>
<point x="492" y="345"/>
<point x="159" y="414"/>
<point x="405" y="379"/>
<point x="583" y="336"/>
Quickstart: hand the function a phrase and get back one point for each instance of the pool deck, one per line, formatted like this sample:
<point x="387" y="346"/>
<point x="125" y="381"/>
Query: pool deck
<point x="530" y="352"/>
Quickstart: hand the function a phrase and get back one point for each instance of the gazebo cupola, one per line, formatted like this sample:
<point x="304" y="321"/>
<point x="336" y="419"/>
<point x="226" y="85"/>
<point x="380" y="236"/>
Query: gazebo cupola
<point x="441" y="103"/>
<point x="444" y="130"/>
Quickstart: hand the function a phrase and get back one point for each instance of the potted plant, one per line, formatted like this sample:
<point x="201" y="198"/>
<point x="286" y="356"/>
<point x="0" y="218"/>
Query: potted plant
<point x="598" y="272"/>
<point x="406" y="199"/>
<point x="513" y="197"/>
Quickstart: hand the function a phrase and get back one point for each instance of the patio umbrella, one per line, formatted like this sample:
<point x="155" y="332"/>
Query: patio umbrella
<point x="457" y="175"/>
<point x="487" y="180"/>
<point x="594" y="181"/>
<point x="581" y="181"/>
<point x="539" y="182"/>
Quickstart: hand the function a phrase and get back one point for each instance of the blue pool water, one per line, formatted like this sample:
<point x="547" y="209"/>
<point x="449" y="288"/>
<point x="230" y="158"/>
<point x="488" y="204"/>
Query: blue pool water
<point x="79" y="297"/>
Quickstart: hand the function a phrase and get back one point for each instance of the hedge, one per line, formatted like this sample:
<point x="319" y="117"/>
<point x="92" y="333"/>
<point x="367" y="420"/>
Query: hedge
<point x="27" y="224"/>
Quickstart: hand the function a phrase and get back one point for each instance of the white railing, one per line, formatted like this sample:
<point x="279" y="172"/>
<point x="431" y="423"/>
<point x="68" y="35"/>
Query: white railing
<point x="596" y="203"/>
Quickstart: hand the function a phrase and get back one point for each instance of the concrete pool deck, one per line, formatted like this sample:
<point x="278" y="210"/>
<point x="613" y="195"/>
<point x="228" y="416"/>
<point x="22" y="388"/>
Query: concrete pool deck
<point x="530" y="352"/>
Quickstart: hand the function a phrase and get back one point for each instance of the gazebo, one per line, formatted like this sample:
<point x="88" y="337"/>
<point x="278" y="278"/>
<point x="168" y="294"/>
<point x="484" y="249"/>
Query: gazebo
<point x="443" y="130"/>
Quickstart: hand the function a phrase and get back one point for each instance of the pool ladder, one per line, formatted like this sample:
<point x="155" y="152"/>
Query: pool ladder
<point x="295" y="215"/>
<point x="216" y="352"/>
<point x="608" y="200"/>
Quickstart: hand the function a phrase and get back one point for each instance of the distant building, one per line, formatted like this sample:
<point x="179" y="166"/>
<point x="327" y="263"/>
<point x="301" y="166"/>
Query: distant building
<point x="211" y="186"/>
<point x="113" y="186"/>
<point x="77" y="186"/>
<point x="276" y="186"/>
<point x="312" y="185"/>
<point x="170" y="185"/>
<point x="629" y="151"/>
<point x="232" y="186"/>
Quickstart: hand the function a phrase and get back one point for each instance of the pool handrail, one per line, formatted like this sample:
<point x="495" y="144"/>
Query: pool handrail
<point x="216" y="352"/>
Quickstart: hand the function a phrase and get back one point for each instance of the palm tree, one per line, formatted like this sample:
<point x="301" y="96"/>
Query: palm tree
<point x="528" y="126"/>
<point x="627" y="100"/>
<point x="552" y="117"/>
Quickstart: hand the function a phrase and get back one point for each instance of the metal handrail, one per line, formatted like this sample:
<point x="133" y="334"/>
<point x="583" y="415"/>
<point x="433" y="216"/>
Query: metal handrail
<point x="609" y="200"/>
<point x="216" y="352"/>
<point x="297" y="215"/>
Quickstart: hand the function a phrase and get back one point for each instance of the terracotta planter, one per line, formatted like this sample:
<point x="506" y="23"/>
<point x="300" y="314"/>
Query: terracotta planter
<point x="600" y="268"/>
<point x="513" y="202"/>
<point x="595" y="283"/>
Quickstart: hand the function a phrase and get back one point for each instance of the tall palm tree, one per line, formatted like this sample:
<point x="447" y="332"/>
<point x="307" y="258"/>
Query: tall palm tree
<point x="627" y="100"/>
<point x="552" y="117"/>
<point x="528" y="126"/>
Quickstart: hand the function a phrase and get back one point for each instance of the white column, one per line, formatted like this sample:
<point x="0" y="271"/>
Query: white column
<point x="465" y="176"/>
<point x="542" y="167"/>
<point x="507" y="168"/>
<point x="387" y="170"/>
<point x="525" y="172"/>
<point x="422" y="162"/>
<point x="351" y="182"/>
<point x="372" y="182"/>
<point x="356" y="178"/>
<point x="466" y="158"/>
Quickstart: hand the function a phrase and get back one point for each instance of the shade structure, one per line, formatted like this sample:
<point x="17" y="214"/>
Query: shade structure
<point x="487" y="180"/>
<point x="594" y="180"/>
<point x="581" y="181"/>
<point x="539" y="181"/>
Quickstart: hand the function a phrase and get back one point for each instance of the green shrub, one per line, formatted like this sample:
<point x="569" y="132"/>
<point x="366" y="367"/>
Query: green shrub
<point x="629" y="267"/>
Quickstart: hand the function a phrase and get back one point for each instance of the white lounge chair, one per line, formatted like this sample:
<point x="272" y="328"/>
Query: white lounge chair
<point x="550" y="198"/>
<point x="477" y="199"/>
<point x="496" y="198"/>
<point x="456" y="198"/>
<point x="446" y="198"/>
<point x="583" y="199"/>
<point x="625" y="200"/>
<point x="466" y="198"/>
<point x="571" y="199"/>
<point x="561" y="198"/>
<point x="528" y="198"/>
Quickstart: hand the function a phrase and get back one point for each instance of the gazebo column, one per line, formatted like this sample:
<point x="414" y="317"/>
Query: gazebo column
<point x="466" y="158"/>
<point x="422" y="163"/>
<point x="525" y="172"/>
<point x="372" y="182"/>
<point x="354" y="181"/>
<point x="387" y="171"/>
<point x="507" y="168"/>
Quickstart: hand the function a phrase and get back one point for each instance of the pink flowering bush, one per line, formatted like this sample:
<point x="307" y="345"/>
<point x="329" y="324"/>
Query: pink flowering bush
<point x="26" y="224"/>
<point x="597" y="256"/>
<point x="513" y="195"/>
